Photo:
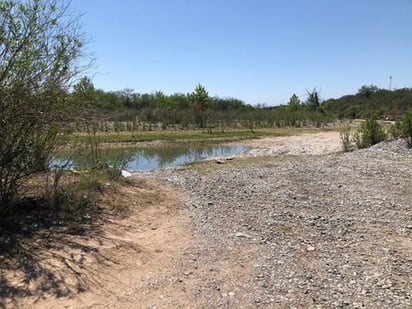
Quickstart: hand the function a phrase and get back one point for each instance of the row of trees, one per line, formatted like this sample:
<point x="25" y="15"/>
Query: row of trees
<point x="128" y="99"/>
<point x="195" y="109"/>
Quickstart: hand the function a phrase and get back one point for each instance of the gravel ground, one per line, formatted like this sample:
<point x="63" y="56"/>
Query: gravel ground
<point x="301" y="231"/>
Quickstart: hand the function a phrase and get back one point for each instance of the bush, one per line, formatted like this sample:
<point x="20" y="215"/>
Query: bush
<point x="370" y="133"/>
<point x="395" y="129"/>
<point x="41" y="52"/>
<point x="345" y="137"/>
<point x="406" y="127"/>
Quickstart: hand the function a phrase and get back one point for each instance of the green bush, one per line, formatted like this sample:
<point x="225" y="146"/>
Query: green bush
<point x="345" y="137"/>
<point x="369" y="133"/>
<point x="395" y="129"/>
<point x="406" y="127"/>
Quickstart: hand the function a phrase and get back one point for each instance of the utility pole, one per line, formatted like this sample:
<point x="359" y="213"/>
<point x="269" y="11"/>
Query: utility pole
<point x="390" y="82"/>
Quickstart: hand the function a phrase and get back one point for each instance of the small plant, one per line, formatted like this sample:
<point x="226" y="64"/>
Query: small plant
<point x="345" y="137"/>
<point x="406" y="127"/>
<point x="395" y="129"/>
<point x="370" y="133"/>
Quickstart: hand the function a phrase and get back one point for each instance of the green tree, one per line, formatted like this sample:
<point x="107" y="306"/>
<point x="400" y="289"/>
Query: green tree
<point x="84" y="92"/>
<point x="294" y="103"/>
<point x="367" y="91"/>
<point x="40" y="53"/>
<point x="199" y="99"/>
<point x="406" y="126"/>
<point x="313" y="101"/>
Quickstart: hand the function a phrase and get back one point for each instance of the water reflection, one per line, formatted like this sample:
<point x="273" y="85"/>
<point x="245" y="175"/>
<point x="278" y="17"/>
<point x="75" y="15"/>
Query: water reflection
<point x="160" y="157"/>
<point x="152" y="158"/>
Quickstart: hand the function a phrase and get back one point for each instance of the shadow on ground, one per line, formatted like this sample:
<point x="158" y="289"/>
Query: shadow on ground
<point x="42" y="254"/>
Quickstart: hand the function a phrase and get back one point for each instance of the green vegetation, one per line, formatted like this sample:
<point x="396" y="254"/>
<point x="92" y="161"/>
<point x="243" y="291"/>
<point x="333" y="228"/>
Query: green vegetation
<point x="129" y="111"/>
<point x="172" y="136"/>
<point x="40" y="52"/>
<point x="370" y="100"/>
<point x="406" y="127"/>
<point x="199" y="99"/>
<point x="346" y="138"/>
<point x="370" y="133"/>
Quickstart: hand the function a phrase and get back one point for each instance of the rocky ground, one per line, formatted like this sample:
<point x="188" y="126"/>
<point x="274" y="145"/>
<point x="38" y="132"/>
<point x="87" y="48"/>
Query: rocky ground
<point x="303" y="231"/>
<point x="292" y="223"/>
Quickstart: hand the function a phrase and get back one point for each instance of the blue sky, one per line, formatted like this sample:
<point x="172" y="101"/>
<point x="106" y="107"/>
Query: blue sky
<point x="259" y="51"/>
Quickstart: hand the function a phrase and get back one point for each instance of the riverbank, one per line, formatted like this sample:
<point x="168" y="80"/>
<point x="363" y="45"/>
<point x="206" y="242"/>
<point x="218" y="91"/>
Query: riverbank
<point x="164" y="137"/>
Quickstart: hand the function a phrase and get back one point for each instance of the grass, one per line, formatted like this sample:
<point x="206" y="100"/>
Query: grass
<point x="188" y="136"/>
<point x="133" y="137"/>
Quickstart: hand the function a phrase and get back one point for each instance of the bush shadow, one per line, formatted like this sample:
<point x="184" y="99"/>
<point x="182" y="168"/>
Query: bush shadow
<point x="43" y="255"/>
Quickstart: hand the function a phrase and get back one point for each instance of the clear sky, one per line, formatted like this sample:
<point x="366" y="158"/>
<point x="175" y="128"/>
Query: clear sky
<point x="259" y="51"/>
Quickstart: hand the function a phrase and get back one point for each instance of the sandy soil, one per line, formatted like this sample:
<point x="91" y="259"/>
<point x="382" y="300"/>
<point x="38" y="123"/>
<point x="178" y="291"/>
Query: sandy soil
<point x="163" y="256"/>
<point x="320" y="143"/>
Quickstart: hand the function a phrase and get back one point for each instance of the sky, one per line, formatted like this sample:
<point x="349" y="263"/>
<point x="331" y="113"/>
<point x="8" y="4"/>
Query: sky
<point x="258" y="51"/>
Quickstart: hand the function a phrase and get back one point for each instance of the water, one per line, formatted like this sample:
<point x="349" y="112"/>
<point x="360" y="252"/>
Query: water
<point x="157" y="157"/>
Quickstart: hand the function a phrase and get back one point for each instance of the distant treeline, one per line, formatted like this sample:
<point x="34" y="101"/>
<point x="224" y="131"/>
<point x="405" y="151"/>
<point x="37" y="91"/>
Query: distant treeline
<point x="198" y="109"/>
<point x="385" y="104"/>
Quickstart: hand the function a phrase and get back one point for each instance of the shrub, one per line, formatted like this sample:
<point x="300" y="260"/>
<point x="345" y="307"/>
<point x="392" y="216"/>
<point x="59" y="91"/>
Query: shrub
<point x="369" y="133"/>
<point x="345" y="137"/>
<point x="406" y="127"/>
<point x="395" y="129"/>
<point x="41" y="52"/>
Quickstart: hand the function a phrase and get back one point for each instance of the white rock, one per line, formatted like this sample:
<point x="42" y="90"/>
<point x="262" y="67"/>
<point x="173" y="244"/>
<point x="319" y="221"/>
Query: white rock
<point x="310" y="248"/>
<point x="126" y="174"/>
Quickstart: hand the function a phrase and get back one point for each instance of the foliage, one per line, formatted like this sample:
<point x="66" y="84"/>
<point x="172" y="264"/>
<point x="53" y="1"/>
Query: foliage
<point x="389" y="105"/>
<point x="346" y="138"/>
<point x="395" y="129"/>
<point x="369" y="133"/>
<point x="199" y="99"/>
<point x="406" y="127"/>
<point x="367" y="91"/>
<point x="40" y="49"/>
<point x="294" y="103"/>
<point x="313" y="101"/>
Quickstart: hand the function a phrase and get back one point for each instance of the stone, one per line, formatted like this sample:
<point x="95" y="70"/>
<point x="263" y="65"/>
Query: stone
<point x="310" y="248"/>
<point x="125" y="173"/>
<point x="240" y="235"/>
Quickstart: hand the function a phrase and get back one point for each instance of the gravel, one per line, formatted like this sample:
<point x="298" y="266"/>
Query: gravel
<point x="324" y="231"/>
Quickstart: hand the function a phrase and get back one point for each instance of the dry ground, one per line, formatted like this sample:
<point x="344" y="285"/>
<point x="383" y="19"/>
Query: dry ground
<point x="291" y="223"/>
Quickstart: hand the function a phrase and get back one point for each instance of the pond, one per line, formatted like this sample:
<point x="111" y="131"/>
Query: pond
<point x="135" y="159"/>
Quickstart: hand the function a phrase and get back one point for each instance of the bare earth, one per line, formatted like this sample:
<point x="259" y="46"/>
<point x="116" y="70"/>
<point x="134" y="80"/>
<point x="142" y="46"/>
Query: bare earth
<point x="292" y="223"/>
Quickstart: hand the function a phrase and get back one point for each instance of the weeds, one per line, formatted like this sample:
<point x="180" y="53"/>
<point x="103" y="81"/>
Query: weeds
<point x="406" y="127"/>
<point x="369" y="133"/>
<point x="345" y="137"/>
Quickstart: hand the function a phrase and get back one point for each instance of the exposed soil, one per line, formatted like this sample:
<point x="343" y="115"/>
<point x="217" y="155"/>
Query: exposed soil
<point x="293" y="223"/>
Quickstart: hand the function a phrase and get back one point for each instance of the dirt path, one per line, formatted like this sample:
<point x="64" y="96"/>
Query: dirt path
<point x="132" y="263"/>
<point x="305" y="227"/>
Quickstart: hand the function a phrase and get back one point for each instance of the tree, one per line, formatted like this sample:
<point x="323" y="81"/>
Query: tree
<point x="199" y="99"/>
<point x="367" y="91"/>
<point x="294" y="103"/>
<point x="40" y="53"/>
<point x="313" y="101"/>
<point x="84" y="92"/>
